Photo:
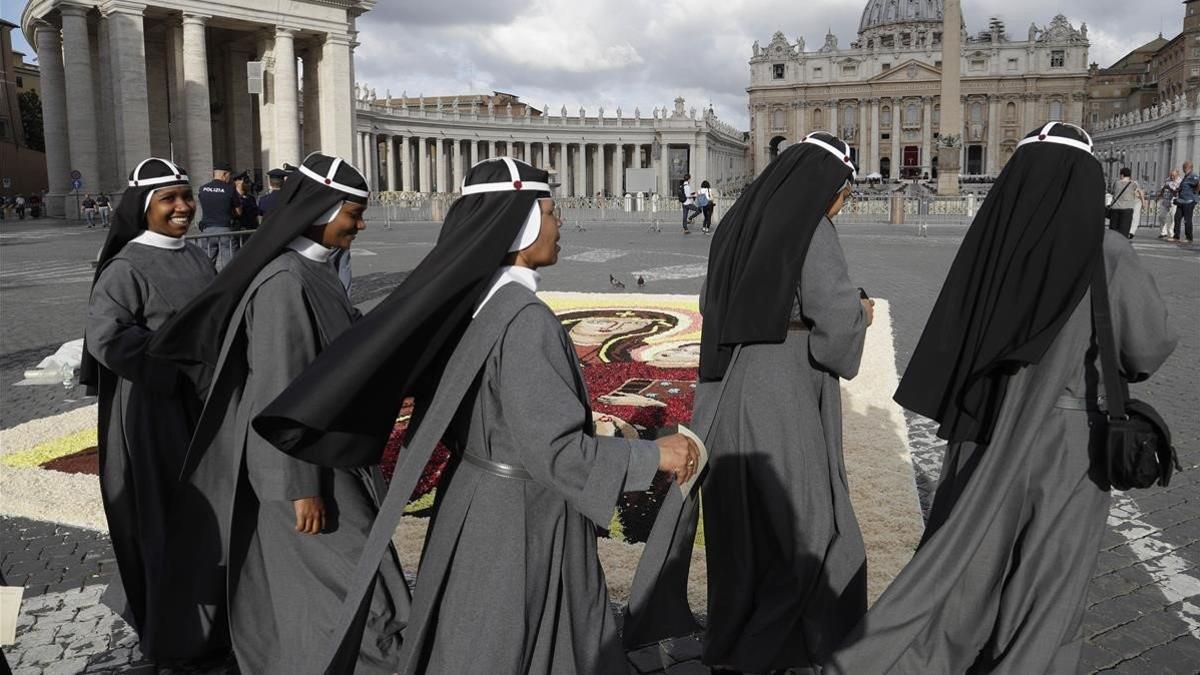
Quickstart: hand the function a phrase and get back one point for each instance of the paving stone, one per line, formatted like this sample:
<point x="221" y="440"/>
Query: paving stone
<point x="87" y="644"/>
<point x="682" y="649"/>
<point x="1181" y="655"/>
<point x="688" y="668"/>
<point x="41" y="655"/>
<point x="66" y="667"/>
<point x="95" y="611"/>
<point x="647" y="659"/>
<point x="76" y="628"/>
<point x="1098" y="657"/>
<point x="37" y="637"/>
<point x="114" y="659"/>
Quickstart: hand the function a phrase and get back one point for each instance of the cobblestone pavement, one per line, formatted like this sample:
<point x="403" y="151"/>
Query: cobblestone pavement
<point x="1144" y="600"/>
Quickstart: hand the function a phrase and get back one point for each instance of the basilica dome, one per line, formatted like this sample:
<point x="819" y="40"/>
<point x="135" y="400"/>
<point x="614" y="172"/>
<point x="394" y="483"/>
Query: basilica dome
<point x="880" y="13"/>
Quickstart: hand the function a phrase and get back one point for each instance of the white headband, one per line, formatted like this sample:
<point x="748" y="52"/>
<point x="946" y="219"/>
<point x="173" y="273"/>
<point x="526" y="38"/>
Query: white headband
<point x="516" y="184"/>
<point x="843" y="157"/>
<point x="530" y="230"/>
<point x="180" y="177"/>
<point x="329" y="215"/>
<point x="1045" y="137"/>
<point x="327" y="179"/>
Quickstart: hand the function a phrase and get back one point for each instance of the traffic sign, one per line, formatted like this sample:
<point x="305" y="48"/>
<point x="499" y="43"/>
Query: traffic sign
<point x="7" y="182"/>
<point x="76" y="184"/>
<point x="75" y="175"/>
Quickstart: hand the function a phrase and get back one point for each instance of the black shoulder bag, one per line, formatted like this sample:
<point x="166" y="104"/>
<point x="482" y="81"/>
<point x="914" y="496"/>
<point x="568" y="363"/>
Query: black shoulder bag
<point x="1137" y="449"/>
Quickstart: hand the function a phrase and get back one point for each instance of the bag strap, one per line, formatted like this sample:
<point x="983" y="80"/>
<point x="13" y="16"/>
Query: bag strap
<point x="1118" y="197"/>
<point x="1114" y="386"/>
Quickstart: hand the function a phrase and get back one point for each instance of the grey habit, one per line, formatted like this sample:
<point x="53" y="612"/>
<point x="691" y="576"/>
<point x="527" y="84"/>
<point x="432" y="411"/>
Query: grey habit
<point x="786" y="560"/>
<point x="999" y="582"/>
<point x="283" y="587"/>
<point x="510" y="581"/>
<point x="151" y="416"/>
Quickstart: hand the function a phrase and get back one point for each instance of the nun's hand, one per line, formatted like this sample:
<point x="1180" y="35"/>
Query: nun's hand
<point x="869" y="309"/>
<point x="310" y="515"/>
<point x="678" y="456"/>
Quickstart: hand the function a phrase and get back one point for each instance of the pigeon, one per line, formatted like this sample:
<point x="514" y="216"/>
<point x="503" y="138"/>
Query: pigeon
<point x="641" y="281"/>
<point x="614" y="282"/>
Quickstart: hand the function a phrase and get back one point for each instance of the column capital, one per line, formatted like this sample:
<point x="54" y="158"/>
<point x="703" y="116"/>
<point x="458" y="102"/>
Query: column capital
<point x="339" y="39"/>
<point x="284" y="31"/>
<point x="43" y="27"/>
<point x="195" y="19"/>
<point x="72" y="9"/>
<point x="130" y="7"/>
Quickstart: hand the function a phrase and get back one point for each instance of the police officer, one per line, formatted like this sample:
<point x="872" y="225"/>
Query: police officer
<point x="220" y="205"/>
<point x="275" y="178"/>
<point x="243" y="184"/>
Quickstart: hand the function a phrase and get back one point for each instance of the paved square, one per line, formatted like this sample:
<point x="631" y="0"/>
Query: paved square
<point x="1144" y="599"/>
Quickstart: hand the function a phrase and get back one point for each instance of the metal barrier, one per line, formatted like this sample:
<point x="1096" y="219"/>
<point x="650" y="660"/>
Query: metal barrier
<point x="220" y="246"/>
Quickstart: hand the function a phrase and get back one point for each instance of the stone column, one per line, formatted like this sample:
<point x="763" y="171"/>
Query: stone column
<point x="663" y="169"/>
<point x="545" y="163"/>
<point x="927" y="134"/>
<point x="287" y="121"/>
<point x="443" y="175"/>
<point x="457" y="181"/>
<point x="54" y="115"/>
<point x="196" y="99"/>
<point x="112" y="177"/>
<point x="491" y="146"/>
<point x="580" y="172"/>
<point x="241" y="114"/>
<point x="81" y="113"/>
<point x="335" y="82"/>
<point x="597" y="170"/>
<point x="405" y="165"/>
<point x="897" y="154"/>
<point x="266" y="111"/>
<point x="873" y="136"/>
<point x="619" y="171"/>
<point x="312" y="101"/>
<point x="423" y="165"/>
<point x="694" y="165"/>
<point x="393" y="162"/>
<point x="560" y="168"/>
<point x="373" y="140"/>
<point x="474" y="152"/>
<point x="864" y="142"/>
<point x="993" y="136"/>
<point x="949" y="159"/>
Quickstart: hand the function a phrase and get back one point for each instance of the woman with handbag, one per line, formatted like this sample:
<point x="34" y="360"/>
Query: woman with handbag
<point x="706" y="203"/>
<point x="1009" y="366"/>
<point x="1128" y="196"/>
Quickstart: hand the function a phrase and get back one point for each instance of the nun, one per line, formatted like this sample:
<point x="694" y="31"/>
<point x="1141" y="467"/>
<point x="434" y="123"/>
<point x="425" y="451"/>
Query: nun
<point x="284" y="534"/>
<point x="1008" y="367"/>
<point x="510" y="580"/>
<point x="783" y="324"/>
<point x="148" y="409"/>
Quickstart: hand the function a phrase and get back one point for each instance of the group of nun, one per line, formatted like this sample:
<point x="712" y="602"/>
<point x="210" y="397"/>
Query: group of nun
<point x="243" y="418"/>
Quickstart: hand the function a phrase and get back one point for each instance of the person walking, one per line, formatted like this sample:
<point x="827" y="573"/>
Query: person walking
<point x="89" y="210"/>
<point x="219" y="205"/>
<point x="19" y="206"/>
<point x="103" y="207"/>
<point x="687" y="197"/>
<point x="706" y="203"/>
<point x="1127" y="194"/>
<point x="1166" y="203"/>
<point x="1185" y="203"/>
<point x="1007" y="365"/>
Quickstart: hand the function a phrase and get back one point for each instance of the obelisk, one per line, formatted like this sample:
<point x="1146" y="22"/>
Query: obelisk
<point x="950" y="137"/>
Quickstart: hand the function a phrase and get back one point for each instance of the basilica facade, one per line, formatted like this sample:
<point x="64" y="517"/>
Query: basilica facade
<point x="881" y="93"/>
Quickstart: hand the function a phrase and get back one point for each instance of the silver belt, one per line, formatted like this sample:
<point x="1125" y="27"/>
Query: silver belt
<point x="1066" y="402"/>
<point x="496" y="468"/>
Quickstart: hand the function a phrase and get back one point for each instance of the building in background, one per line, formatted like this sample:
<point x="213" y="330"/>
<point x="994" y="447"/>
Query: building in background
<point x="881" y="93"/>
<point x="22" y="161"/>
<point x="122" y="80"/>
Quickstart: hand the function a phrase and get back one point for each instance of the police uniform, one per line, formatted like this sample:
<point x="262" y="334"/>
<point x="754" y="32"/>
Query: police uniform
<point x="217" y="200"/>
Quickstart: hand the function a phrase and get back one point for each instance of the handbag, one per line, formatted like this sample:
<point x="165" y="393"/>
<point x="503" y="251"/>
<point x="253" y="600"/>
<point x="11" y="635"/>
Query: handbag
<point x="702" y="200"/>
<point x="1137" y="450"/>
<point x="1108" y="211"/>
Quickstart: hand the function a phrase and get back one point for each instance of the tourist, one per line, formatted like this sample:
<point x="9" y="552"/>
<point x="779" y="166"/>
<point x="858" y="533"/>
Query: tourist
<point x="782" y="325"/>
<point x="510" y="580"/>
<point x="147" y="408"/>
<point x="19" y="206"/>
<point x="1127" y="195"/>
<point x="89" y="210"/>
<point x="1166" y="203"/>
<point x="219" y="207"/>
<point x="706" y="203"/>
<point x="687" y="197"/>
<point x="282" y="535"/>
<point x="1185" y="203"/>
<point x="103" y="208"/>
<point x="1007" y="368"/>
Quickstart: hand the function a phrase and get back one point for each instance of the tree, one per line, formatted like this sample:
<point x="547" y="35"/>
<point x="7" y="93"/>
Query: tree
<point x="31" y="120"/>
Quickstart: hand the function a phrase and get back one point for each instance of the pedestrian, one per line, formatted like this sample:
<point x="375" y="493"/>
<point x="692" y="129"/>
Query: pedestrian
<point x="1007" y="367"/>
<point x="1127" y="194"/>
<point x="4" y="206"/>
<point x="1166" y="203"/>
<point x="219" y="207"/>
<point x="284" y="535"/>
<point x="103" y="208"/>
<point x="35" y="205"/>
<point x="687" y="197"/>
<point x="248" y="217"/>
<point x="147" y="407"/>
<point x="89" y="210"/>
<point x="20" y="207"/>
<point x="783" y="324"/>
<point x="275" y="178"/>
<point x="1185" y="203"/>
<point x="706" y="203"/>
<point x="510" y="580"/>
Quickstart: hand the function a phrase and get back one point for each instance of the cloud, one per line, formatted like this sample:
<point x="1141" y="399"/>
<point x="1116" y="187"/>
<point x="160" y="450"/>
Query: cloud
<point x="631" y="54"/>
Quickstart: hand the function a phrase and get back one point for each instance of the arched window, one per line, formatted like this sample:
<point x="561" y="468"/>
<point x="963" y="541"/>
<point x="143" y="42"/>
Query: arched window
<point x="976" y="112"/>
<point x="818" y="119"/>
<point x="1056" y="110"/>
<point x="849" y="113"/>
<point x="912" y="114"/>
<point x="885" y="117"/>
<point x="778" y="119"/>
<point x="1010" y="112"/>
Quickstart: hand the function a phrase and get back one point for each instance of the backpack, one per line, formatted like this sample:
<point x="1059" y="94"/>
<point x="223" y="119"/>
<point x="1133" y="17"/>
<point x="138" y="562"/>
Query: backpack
<point x="681" y="195"/>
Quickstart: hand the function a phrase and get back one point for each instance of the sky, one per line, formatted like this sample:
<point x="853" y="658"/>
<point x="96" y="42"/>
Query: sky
<point x="632" y="53"/>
